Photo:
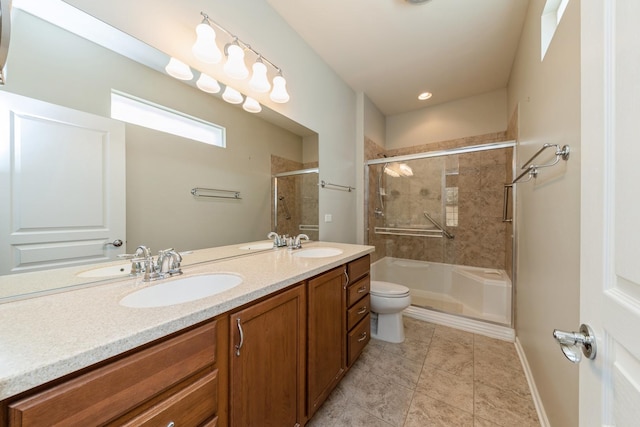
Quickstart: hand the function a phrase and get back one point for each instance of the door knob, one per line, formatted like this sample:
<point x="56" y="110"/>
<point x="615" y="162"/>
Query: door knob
<point x="571" y="341"/>
<point x="117" y="243"/>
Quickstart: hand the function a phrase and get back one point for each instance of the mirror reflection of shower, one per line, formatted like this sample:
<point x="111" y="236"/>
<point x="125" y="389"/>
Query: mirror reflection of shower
<point x="295" y="203"/>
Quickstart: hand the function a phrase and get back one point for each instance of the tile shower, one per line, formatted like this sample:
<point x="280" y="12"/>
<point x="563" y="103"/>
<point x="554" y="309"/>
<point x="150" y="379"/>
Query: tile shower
<point x="457" y="185"/>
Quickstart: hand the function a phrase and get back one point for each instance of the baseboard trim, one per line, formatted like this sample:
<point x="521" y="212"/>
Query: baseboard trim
<point x="537" y="401"/>
<point x="474" y="326"/>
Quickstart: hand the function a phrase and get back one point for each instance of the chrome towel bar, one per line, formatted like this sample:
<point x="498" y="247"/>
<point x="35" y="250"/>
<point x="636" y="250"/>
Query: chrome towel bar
<point x="219" y="194"/>
<point x="348" y="188"/>
<point x="531" y="169"/>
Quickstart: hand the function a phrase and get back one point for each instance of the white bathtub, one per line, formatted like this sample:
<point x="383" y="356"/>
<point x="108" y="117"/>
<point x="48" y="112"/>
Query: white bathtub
<point x="480" y="293"/>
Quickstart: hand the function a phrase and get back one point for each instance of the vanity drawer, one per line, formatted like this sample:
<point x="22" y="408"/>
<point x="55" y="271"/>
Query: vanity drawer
<point x="358" y="339"/>
<point x="108" y="392"/>
<point x="358" y="311"/>
<point x="358" y="268"/>
<point x="358" y="290"/>
<point x="188" y="407"/>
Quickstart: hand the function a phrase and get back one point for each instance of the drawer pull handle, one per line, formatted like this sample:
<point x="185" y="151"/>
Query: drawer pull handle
<point x="171" y="424"/>
<point x="363" y="310"/>
<point x="239" y="346"/>
<point x="362" y="337"/>
<point x="346" y="275"/>
<point x="362" y="289"/>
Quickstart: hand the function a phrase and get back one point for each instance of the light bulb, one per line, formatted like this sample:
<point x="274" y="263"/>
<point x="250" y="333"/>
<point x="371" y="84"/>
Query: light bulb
<point x="279" y="93"/>
<point x="178" y="69"/>
<point x="259" y="81"/>
<point x="235" y="66"/>
<point x="208" y="84"/>
<point x="232" y="96"/>
<point x="205" y="48"/>
<point x="251" y="105"/>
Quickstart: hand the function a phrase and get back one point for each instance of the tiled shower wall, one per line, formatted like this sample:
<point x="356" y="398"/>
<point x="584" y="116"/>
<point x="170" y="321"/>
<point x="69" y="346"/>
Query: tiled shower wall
<point x="481" y="238"/>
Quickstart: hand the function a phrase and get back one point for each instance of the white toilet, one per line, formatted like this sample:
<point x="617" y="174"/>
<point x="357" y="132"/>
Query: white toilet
<point x="387" y="301"/>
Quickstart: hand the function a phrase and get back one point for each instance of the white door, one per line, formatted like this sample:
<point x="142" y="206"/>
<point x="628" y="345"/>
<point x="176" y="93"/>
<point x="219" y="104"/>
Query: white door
<point x="62" y="186"/>
<point x="610" y="223"/>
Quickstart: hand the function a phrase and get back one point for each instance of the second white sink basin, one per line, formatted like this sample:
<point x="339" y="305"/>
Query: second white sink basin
<point x="178" y="291"/>
<point x="317" y="252"/>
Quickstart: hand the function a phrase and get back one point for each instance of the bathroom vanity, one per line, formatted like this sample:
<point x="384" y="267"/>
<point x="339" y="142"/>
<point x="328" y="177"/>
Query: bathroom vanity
<point x="267" y="352"/>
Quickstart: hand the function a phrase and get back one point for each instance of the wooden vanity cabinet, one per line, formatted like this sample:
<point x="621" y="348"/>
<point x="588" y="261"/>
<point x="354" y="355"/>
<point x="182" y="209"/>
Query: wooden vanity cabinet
<point x="358" y="307"/>
<point x="326" y="323"/>
<point x="175" y="380"/>
<point x="267" y="361"/>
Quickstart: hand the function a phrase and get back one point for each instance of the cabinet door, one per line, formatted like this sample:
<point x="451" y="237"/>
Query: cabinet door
<point x="267" y="362"/>
<point x="327" y="329"/>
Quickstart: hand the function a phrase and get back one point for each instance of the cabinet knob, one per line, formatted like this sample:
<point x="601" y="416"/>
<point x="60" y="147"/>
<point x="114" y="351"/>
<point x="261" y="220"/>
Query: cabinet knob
<point x="171" y="424"/>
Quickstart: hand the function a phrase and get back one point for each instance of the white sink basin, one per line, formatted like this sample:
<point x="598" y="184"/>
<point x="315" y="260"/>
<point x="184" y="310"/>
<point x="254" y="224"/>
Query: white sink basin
<point x="317" y="252"/>
<point x="178" y="291"/>
<point x="108" y="271"/>
<point x="257" y="246"/>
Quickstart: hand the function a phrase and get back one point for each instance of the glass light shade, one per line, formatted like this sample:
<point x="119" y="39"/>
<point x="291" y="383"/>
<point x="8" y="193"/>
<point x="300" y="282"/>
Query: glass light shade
<point x="391" y="172"/>
<point x="251" y="105"/>
<point x="405" y="169"/>
<point x="178" y="69"/>
<point x="235" y="66"/>
<point x="205" y="48"/>
<point x="208" y="84"/>
<point x="259" y="81"/>
<point x="232" y="96"/>
<point x="279" y="93"/>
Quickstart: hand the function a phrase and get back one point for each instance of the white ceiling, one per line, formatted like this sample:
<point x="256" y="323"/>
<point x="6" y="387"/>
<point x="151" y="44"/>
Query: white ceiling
<point x="392" y="50"/>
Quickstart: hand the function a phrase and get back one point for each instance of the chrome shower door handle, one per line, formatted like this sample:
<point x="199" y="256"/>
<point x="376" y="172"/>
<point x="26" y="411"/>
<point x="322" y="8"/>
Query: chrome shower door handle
<point x="571" y="341"/>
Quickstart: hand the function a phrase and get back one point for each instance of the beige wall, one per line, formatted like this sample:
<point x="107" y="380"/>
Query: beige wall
<point x="52" y="65"/>
<point x="547" y="95"/>
<point x="476" y="115"/>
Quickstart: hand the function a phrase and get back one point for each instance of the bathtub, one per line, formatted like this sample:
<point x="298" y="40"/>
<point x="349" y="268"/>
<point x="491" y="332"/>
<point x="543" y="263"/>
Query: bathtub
<point x="479" y="293"/>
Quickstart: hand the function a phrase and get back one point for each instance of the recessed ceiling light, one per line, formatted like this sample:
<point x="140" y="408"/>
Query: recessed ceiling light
<point x="418" y="1"/>
<point x="425" y="95"/>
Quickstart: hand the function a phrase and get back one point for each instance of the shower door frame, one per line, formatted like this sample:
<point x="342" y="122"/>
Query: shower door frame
<point x="275" y="190"/>
<point x="452" y="151"/>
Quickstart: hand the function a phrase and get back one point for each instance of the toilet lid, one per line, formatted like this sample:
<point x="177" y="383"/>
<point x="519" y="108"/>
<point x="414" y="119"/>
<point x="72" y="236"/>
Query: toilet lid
<point x="388" y="289"/>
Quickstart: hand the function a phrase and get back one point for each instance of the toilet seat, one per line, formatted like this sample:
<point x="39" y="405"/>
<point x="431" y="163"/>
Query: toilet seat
<point x="388" y="289"/>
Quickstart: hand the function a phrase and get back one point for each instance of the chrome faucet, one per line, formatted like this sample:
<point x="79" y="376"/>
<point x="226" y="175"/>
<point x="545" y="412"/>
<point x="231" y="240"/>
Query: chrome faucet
<point x="278" y="240"/>
<point x="295" y="243"/>
<point x="169" y="263"/>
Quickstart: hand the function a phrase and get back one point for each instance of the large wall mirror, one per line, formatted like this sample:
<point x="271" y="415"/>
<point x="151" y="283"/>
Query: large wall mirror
<point x="50" y="64"/>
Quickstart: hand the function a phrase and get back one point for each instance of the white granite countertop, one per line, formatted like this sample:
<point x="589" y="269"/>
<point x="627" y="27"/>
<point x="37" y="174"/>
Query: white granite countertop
<point x="46" y="337"/>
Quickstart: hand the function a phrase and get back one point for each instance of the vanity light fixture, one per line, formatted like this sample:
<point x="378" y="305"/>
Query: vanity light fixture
<point x="178" y="69"/>
<point x="206" y="50"/>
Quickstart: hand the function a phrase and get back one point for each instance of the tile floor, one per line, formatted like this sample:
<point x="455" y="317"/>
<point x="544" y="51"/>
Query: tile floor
<point x="438" y="377"/>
